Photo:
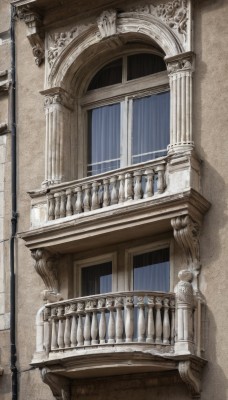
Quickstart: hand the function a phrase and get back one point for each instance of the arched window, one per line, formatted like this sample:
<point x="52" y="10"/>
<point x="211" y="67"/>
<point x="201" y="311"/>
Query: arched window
<point x="127" y="107"/>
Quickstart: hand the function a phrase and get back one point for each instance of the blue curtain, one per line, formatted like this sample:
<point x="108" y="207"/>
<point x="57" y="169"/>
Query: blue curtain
<point x="152" y="271"/>
<point x="151" y="116"/>
<point x="104" y="139"/>
<point x="96" y="279"/>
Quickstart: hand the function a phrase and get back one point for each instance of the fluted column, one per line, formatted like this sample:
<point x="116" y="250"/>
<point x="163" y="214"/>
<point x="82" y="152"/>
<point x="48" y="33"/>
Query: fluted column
<point x="180" y="69"/>
<point x="58" y="106"/>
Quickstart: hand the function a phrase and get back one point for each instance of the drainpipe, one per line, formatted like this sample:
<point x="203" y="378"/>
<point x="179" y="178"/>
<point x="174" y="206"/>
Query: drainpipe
<point x="13" y="354"/>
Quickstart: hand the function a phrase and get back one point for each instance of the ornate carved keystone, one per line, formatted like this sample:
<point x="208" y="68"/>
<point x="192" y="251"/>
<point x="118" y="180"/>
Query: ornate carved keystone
<point x="107" y="23"/>
<point x="59" y="386"/>
<point x="35" y="34"/>
<point x="45" y="266"/>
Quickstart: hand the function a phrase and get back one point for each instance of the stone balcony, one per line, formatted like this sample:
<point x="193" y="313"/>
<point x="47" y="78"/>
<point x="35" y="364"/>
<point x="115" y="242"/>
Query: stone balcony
<point x="136" y="200"/>
<point x="123" y="333"/>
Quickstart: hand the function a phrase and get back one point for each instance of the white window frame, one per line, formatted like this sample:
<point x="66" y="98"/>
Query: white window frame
<point x="92" y="261"/>
<point x="123" y="93"/>
<point x="134" y="251"/>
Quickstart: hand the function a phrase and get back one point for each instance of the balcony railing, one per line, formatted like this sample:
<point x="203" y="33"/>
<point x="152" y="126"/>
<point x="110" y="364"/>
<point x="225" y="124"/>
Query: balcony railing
<point x="110" y="188"/>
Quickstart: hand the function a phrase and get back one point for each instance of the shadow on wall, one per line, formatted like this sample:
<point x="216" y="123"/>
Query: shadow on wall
<point x="210" y="129"/>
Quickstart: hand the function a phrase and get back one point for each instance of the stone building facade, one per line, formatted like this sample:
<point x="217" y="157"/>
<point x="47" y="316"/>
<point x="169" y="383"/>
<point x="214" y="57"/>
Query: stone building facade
<point x="119" y="256"/>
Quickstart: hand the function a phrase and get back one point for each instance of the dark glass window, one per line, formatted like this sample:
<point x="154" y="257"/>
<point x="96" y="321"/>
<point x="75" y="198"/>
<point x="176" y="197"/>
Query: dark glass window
<point x="151" y="271"/>
<point x="139" y="65"/>
<point x="108" y="75"/>
<point x="96" y="279"/>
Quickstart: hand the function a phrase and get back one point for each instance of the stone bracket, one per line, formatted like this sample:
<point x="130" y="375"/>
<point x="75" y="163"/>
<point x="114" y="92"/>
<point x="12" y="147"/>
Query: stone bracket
<point x="45" y="266"/>
<point x="190" y="373"/>
<point x="59" y="386"/>
<point x="35" y="32"/>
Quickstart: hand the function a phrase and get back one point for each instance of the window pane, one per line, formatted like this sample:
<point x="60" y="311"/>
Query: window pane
<point x="139" y="65"/>
<point x="151" y="271"/>
<point x="108" y="75"/>
<point x="104" y="139"/>
<point x="96" y="279"/>
<point x="151" y="116"/>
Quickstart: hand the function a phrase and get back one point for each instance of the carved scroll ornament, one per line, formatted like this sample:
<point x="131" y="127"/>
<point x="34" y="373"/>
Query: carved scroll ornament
<point x="190" y="374"/>
<point x="59" y="386"/>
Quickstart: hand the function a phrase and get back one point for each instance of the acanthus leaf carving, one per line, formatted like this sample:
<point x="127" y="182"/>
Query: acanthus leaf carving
<point x="35" y="32"/>
<point x="59" y="386"/>
<point x="182" y="62"/>
<point x="107" y="23"/>
<point x="45" y="266"/>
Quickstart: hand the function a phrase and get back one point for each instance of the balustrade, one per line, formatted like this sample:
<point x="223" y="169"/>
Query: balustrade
<point x="131" y="184"/>
<point x="118" y="318"/>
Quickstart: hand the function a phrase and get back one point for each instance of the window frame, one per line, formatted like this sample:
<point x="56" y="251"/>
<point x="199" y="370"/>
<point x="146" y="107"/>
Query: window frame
<point x="92" y="261"/>
<point x="137" y="250"/>
<point x="123" y="93"/>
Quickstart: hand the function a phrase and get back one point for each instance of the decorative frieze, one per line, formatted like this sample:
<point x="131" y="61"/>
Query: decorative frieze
<point x="35" y="32"/>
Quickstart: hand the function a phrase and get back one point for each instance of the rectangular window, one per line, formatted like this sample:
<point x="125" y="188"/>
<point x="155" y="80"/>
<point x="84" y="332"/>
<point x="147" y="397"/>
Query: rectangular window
<point x="103" y="139"/>
<point x="96" y="279"/>
<point x="151" y="271"/>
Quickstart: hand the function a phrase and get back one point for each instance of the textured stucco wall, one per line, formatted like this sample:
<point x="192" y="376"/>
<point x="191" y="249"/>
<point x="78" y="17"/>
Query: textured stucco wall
<point x="210" y="134"/>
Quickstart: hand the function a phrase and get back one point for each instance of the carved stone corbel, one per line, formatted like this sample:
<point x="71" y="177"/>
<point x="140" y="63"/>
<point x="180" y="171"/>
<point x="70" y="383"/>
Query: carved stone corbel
<point x="45" y="266"/>
<point x="59" y="386"/>
<point x="190" y="373"/>
<point x="35" y="33"/>
<point x="186" y="233"/>
<point x="4" y="81"/>
<point x="107" y="23"/>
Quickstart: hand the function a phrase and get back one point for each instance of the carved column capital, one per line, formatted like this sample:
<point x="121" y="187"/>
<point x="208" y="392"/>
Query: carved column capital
<point x="45" y="266"/>
<point x="107" y="23"/>
<point x="59" y="386"/>
<point x="57" y="96"/>
<point x="190" y="373"/>
<point x="35" y="33"/>
<point x="181" y="63"/>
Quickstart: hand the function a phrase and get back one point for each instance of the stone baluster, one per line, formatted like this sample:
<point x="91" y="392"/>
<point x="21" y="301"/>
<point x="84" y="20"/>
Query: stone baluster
<point x="141" y="319"/>
<point x="94" y="325"/>
<point x="180" y="73"/>
<point x="158" y="323"/>
<point x="161" y="179"/>
<point x="114" y="190"/>
<point x="166" y="322"/>
<point x="106" y="196"/>
<point x="87" y="325"/>
<point x="67" y="331"/>
<point x="63" y="205"/>
<point x="184" y="312"/>
<point x="87" y="197"/>
<point x="121" y="179"/>
<point x="60" y="316"/>
<point x="57" y="197"/>
<point x="138" y="185"/>
<point x="80" y="312"/>
<point x="95" y="200"/>
<point x="73" y="332"/>
<point x="54" y="328"/>
<point x="172" y="330"/>
<point x="78" y="202"/>
<point x="129" y="319"/>
<point x="51" y="207"/>
<point x="69" y="207"/>
<point x="111" y="321"/>
<point x="149" y="189"/>
<point x="129" y="184"/>
<point x="102" y="323"/>
<point x="150" y="329"/>
<point x="119" y="319"/>
<point x="47" y="330"/>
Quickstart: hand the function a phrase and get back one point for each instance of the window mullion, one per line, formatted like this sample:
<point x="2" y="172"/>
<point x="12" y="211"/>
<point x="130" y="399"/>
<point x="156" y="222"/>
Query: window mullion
<point x="129" y="130"/>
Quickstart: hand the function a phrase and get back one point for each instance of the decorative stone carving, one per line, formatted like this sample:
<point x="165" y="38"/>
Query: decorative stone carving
<point x="107" y="23"/>
<point x="45" y="266"/>
<point x="186" y="233"/>
<point x="4" y="81"/>
<point x="59" y="385"/>
<point x="190" y="373"/>
<point x="182" y="62"/>
<point x="184" y="291"/>
<point x="58" y="96"/>
<point x="3" y="128"/>
<point x="35" y="33"/>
